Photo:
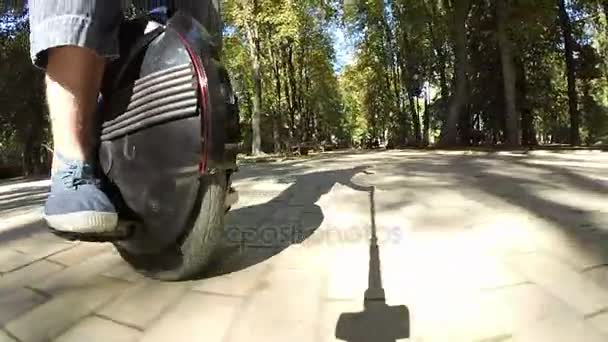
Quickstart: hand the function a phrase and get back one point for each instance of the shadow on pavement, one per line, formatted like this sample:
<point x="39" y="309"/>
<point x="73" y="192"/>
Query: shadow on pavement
<point x="250" y="238"/>
<point x="378" y="321"/>
<point x="22" y="231"/>
<point x="17" y="201"/>
<point x="22" y="198"/>
<point x="579" y="225"/>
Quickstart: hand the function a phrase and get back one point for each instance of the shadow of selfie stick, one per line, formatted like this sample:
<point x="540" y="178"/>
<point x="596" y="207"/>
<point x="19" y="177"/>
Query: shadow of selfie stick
<point x="378" y="322"/>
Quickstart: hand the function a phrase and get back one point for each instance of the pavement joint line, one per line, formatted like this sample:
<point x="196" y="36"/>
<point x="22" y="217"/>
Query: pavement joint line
<point x="565" y="261"/>
<point x="337" y="300"/>
<point x="497" y="338"/>
<point x="39" y="292"/>
<point x="9" y="334"/>
<point x="509" y="286"/>
<point x="596" y="313"/>
<point x="594" y="267"/>
<point x="168" y="308"/>
<point x="55" y="262"/>
<point x="125" y="282"/>
<point x="36" y="260"/>
<point x="217" y="294"/>
<point x="110" y="319"/>
<point x="245" y="301"/>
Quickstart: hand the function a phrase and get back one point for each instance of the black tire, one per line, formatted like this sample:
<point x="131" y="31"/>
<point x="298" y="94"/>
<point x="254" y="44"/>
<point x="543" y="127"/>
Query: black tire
<point x="191" y="254"/>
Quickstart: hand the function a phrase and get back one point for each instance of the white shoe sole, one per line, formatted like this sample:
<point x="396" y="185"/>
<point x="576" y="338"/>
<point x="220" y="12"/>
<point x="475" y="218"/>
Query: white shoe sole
<point x="86" y="222"/>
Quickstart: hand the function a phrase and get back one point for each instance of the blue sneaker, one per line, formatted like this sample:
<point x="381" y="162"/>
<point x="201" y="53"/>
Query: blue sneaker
<point x="76" y="203"/>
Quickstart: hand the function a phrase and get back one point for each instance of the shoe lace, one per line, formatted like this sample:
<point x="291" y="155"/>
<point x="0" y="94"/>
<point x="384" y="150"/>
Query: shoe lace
<point x="73" y="177"/>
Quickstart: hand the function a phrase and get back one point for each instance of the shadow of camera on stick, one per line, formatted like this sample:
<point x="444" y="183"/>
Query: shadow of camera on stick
<point x="378" y="322"/>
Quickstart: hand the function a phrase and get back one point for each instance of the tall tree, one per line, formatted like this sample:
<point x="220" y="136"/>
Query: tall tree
<point x="508" y="73"/>
<point x="460" y="13"/>
<point x="569" y="46"/>
<point x="253" y="38"/>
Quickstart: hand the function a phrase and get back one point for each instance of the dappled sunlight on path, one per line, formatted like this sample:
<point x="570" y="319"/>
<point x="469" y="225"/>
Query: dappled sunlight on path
<point x="469" y="246"/>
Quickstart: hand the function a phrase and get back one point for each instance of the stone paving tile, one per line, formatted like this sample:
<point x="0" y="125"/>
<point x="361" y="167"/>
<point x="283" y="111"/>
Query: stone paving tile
<point x="78" y="275"/>
<point x="447" y="266"/>
<point x="425" y="269"/>
<point x="474" y="317"/>
<point x="329" y="316"/>
<point x="42" y="245"/>
<point x="239" y="221"/>
<point x="500" y="234"/>
<point x="599" y="275"/>
<point x="49" y="320"/>
<point x="287" y="214"/>
<point x="291" y="300"/>
<point x="579" y="254"/>
<point x="16" y="302"/>
<point x="143" y="302"/>
<point x="5" y="338"/>
<point x="600" y="322"/>
<point x="96" y="329"/>
<point x="560" y="280"/>
<point x="124" y="271"/>
<point x="560" y="327"/>
<point x="196" y="317"/>
<point x="80" y="253"/>
<point x="11" y="259"/>
<point x="305" y="197"/>
<point x="28" y="275"/>
<point x="300" y="257"/>
<point x="239" y="283"/>
<point x="347" y="272"/>
<point x="517" y="306"/>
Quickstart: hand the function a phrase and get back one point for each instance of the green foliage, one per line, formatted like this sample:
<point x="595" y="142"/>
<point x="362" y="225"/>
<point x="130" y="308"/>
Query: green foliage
<point x="403" y="44"/>
<point x="291" y="43"/>
<point x="23" y="118"/>
<point x="405" y="56"/>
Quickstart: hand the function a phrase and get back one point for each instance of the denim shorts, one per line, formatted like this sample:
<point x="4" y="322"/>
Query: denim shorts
<point x="94" y="24"/>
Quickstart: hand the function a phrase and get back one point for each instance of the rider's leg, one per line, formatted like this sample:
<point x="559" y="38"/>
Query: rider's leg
<point x="71" y="40"/>
<point x="73" y="78"/>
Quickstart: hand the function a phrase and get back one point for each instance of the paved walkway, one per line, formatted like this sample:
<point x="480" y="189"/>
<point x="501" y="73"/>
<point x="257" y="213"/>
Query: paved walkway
<point x="468" y="247"/>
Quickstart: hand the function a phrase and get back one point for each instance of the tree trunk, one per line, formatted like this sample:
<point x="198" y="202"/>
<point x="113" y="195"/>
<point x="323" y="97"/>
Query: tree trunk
<point x="398" y="101"/>
<point x="571" y="73"/>
<point x="465" y="126"/>
<point x="254" y="54"/>
<point x="288" y="97"/>
<point x="26" y="137"/>
<point x="405" y="122"/>
<point x="528" y="133"/>
<point x="276" y="118"/>
<point x="508" y="72"/>
<point x="439" y="50"/>
<point x="460" y="14"/>
<point x="415" y="116"/>
<point x="291" y="72"/>
<point x="587" y="99"/>
<point x="427" y="118"/>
